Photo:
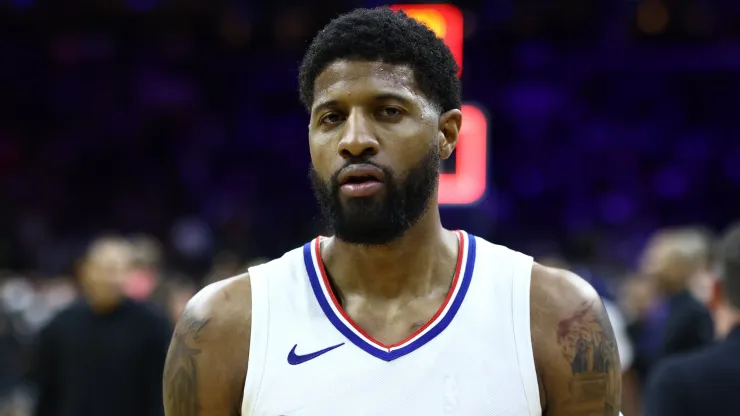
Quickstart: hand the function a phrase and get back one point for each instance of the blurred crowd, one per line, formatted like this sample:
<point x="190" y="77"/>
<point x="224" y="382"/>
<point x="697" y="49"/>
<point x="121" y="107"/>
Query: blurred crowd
<point x="178" y="126"/>
<point x="668" y="305"/>
<point x="127" y="268"/>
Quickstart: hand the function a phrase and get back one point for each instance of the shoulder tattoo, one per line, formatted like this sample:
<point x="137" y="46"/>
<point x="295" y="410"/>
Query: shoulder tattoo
<point x="587" y="343"/>
<point x="181" y="368"/>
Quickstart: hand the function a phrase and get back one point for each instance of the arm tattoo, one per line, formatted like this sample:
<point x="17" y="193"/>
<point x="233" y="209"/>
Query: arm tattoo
<point x="587" y="343"/>
<point x="181" y="369"/>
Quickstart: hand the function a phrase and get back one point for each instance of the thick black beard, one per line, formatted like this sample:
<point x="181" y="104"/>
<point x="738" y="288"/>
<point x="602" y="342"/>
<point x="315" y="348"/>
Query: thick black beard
<point x="383" y="218"/>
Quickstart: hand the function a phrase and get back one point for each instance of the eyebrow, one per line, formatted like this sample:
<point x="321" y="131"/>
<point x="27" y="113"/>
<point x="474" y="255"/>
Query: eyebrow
<point x="325" y="104"/>
<point x="392" y="96"/>
<point x="379" y="97"/>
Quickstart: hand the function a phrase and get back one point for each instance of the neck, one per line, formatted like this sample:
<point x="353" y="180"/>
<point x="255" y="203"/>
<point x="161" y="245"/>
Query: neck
<point x="104" y="307"/>
<point x="671" y="291"/>
<point x="416" y="264"/>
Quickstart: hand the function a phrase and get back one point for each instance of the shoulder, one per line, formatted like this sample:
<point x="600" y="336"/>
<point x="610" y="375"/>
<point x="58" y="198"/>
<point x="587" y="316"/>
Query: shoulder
<point x="223" y="307"/>
<point x="689" y="319"/>
<point x="574" y="345"/>
<point x="70" y="314"/>
<point x="562" y="303"/>
<point x="149" y="310"/>
<point x="707" y="361"/>
<point x="668" y="373"/>
<point x="668" y="388"/>
<point x="207" y="359"/>
<point x="152" y="317"/>
<point x="216" y="323"/>
<point x="73" y="310"/>
<point x="688" y="305"/>
<point x="558" y="295"/>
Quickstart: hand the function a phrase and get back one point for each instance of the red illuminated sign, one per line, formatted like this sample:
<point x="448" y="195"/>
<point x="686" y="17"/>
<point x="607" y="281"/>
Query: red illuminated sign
<point x="445" y="20"/>
<point x="468" y="184"/>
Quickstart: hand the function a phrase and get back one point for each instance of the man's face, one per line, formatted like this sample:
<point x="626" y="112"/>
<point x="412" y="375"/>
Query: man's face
<point x="376" y="145"/>
<point x="104" y="274"/>
<point x="669" y="263"/>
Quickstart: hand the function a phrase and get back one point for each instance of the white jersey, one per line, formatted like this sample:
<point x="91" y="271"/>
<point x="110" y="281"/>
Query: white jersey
<point x="474" y="357"/>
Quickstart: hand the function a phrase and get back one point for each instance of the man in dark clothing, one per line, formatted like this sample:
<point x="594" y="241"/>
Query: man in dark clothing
<point x="104" y="355"/>
<point x="675" y="260"/>
<point x="706" y="382"/>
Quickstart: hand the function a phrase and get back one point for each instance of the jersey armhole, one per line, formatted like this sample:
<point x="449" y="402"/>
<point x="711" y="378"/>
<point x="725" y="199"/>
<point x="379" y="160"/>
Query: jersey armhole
<point x="523" y="332"/>
<point x="258" y="341"/>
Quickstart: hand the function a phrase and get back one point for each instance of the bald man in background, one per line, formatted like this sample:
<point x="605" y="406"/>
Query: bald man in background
<point x="103" y="355"/>
<point x="678" y="264"/>
<point x="706" y="382"/>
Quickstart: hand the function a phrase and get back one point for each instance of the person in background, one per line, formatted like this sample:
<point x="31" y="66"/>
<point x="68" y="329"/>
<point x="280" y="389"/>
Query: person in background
<point x="706" y="382"/>
<point x="180" y="290"/>
<point x="225" y="264"/>
<point x="703" y="282"/>
<point x="10" y="356"/>
<point x="673" y="261"/>
<point x="636" y="301"/>
<point x="104" y="354"/>
<point x="144" y="277"/>
<point x="644" y="319"/>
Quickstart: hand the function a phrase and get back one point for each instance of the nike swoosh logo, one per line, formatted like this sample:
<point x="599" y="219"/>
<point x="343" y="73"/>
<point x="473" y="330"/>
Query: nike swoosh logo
<point x="295" y="359"/>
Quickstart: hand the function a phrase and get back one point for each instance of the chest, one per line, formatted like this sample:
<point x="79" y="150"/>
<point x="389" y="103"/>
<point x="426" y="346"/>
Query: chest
<point x="390" y="324"/>
<point x="99" y="343"/>
<point x="449" y="376"/>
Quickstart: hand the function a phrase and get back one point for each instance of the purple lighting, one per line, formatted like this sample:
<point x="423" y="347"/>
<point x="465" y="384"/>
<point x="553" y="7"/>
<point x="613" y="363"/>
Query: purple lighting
<point x="22" y="3"/>
<point x="617" y="208"/>
<point x="142" y="6"/>
<point x="670" y="183"/>
<point x="732" y="165"/>
<point x="529" y="182"/>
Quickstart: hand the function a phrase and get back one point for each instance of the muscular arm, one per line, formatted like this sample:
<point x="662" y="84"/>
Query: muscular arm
<point x="575" y="348"/>
<point x="207" y="360"/>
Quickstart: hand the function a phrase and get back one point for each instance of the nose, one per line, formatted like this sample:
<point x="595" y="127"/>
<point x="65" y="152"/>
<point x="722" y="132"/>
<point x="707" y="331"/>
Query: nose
<point x="357" y="139"/>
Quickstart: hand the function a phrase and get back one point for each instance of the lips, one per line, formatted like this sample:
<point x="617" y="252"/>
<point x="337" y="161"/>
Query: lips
<point x="357" y="174"/>
<point x="360" y="181"/>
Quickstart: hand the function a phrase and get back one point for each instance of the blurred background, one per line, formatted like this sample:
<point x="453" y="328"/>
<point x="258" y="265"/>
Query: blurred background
<point x="177" y="125"/>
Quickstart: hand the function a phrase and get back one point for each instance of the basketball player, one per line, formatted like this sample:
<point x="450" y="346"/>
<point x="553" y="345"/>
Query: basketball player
<point x="393" y="315"/>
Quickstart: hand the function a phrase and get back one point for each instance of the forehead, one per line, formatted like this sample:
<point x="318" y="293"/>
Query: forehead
<point x="347" y="80"/>
<point x="108" y="254"/>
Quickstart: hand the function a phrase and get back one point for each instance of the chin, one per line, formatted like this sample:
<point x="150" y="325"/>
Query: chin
<point x="362" y="205"/>
<point x="369" y="233"/>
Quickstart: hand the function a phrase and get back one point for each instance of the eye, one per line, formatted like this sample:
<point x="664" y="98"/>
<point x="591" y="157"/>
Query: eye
<point x="391" y="112"/>
<point x="331" y="118"/>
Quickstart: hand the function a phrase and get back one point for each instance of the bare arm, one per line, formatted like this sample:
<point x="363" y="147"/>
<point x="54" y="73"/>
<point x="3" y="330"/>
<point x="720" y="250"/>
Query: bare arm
<point x="207" y="360"/>
<point x="575" y="348"/>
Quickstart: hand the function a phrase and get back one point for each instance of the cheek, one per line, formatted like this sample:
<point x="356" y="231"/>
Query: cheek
<point x="323" y="156"/>
<point x="406" y="153"/>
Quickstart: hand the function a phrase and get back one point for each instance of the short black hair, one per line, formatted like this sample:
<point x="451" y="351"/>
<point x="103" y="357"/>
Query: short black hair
<point x="381" y="34"/>
<point x="729" y="257"/>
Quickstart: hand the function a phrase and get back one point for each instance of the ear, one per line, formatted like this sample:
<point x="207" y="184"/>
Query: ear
<point x="449" y="132"/>
<point x="718" y="295"/>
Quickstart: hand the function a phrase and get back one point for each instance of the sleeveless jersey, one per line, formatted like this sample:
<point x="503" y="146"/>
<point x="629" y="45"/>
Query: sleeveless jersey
<point x="473" y="358"/>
